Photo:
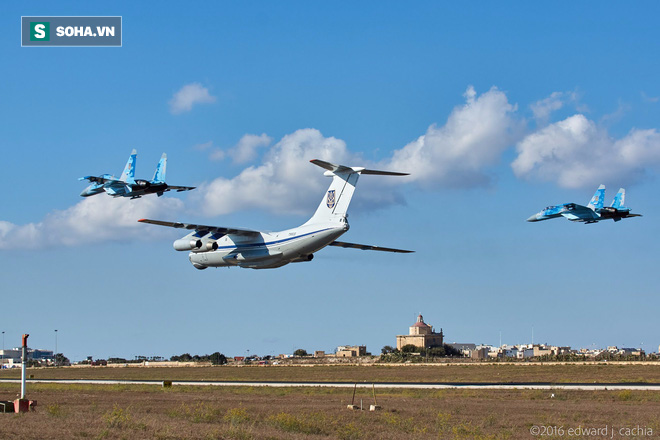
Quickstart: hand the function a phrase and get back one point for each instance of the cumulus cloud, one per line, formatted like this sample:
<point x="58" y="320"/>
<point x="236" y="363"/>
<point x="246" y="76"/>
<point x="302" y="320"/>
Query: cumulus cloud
<point x="453" y="155"/>
<point x="203" y="146"/>
<point x="458" y="153"/>
<point x="92" y="220"/>
<point x="246" y="149"/>
<point x="576" y="152"/>
<point x="217" y="154"/>
<point x="543" y="108"/>
<point x="189" y="95"/>
<point x="651" y="99"/>
<point x="285" y="181"/>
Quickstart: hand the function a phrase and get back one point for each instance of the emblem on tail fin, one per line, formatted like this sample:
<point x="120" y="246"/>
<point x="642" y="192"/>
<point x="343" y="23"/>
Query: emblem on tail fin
<point x="330" y="201"/>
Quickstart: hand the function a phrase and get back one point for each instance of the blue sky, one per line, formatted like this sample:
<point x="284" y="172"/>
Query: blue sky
<point x="496" y="110"/>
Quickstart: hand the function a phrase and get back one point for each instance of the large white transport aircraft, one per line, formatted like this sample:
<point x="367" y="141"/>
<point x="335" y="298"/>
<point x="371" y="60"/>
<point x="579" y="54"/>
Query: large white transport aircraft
<point x="216" y="246"/>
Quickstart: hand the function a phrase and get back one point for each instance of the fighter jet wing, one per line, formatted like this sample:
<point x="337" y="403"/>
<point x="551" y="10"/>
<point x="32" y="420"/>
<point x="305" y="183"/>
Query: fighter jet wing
<point x="179" y="188"/>
<point x="365" y="247"/>
<point x="220" y="229"/>
<point x="577" y="212"/>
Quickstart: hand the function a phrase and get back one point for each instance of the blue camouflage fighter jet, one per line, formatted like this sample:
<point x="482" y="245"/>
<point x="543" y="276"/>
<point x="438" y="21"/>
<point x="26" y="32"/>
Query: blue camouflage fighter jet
<point x="128" y="186"/>
<point x="592" y="213"/>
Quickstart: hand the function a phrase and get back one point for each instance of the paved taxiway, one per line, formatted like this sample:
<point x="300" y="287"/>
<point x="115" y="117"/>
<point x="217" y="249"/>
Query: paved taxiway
<point x="409" y="385"/>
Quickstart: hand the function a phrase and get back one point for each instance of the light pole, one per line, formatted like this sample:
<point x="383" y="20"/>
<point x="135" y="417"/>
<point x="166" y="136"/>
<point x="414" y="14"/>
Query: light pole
<point x="3" y="349"/>
<point x="55" y="354"/>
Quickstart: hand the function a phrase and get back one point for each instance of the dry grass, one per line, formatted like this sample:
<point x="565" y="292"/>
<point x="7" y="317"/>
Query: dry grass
<point x="490" y="372"/>
<point x="152" y="412"/>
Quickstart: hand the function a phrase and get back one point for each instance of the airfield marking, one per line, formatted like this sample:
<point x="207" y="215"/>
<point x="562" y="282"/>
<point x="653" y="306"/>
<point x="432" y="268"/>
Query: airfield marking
<point x="462" y="385"/>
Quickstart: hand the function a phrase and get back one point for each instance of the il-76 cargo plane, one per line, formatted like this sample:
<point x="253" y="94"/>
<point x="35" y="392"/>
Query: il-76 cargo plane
<point x="215" y="246"/>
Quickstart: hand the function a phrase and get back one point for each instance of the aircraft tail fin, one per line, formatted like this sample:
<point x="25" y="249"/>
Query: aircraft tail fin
<point x="161" y="168"/>
<point x="619" y="199"/>
<point x="129" y="170"/>
<point x="596" y="201"/>
<point x="334" y="204"/>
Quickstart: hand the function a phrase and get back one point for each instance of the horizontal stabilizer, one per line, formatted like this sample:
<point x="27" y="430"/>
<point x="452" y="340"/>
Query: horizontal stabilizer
<point x="220" y="229"/>
<point x="344" y="169"/>
<point x="365" y="247"/>
<point x="383" y="173"/>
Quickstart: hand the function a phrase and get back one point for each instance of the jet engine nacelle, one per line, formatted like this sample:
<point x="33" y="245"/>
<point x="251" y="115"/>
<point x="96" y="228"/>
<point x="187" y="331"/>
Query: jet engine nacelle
<point x="212" y="246"/>
<point x="303" y="258"/>
<point x="186" y="244"/>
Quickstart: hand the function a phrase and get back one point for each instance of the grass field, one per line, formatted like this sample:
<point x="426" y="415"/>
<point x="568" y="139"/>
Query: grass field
<point x="150" y="411"/>
<point x="491" y="372"/>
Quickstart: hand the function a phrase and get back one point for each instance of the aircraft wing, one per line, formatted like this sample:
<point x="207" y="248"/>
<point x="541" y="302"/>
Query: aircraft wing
<point x="577" y="212"/>
<point x="179" y="188"/>
<point x="365" y="247"/>
<point x="220" y="229"/>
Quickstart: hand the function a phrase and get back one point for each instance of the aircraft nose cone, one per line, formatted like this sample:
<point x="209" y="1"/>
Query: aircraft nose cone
<point x="533" y="218"/>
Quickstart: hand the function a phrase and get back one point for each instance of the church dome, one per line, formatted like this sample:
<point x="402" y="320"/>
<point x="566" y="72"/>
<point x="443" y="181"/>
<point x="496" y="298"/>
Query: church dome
<point x="420" y="322"/>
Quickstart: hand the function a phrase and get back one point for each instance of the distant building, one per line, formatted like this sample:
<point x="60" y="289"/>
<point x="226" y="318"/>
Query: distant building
<point x="480" y="353"/>
<point x="351" y="351"/>
<point x="13" y="356"/>
<point x="465" y="349"/>
<point x="536" y="351"/>
<point x="420" y="335"/>
<point x="319" y="354"/>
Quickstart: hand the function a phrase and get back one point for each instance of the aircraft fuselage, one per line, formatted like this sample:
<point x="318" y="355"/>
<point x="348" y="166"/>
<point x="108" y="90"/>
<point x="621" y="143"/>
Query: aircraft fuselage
<point x="267" y="249"/>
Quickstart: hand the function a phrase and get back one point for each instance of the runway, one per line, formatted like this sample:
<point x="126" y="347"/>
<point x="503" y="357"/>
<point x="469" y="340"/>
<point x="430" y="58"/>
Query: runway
<point x="406" y="385"/>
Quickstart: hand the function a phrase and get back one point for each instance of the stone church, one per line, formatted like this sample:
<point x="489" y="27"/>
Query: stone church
<point x="420" y="335"/>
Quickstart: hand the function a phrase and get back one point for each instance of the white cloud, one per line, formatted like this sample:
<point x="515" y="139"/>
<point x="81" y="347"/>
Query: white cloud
<point x="189" y="95"/>
<point x="217" y="154"/>
<point x="458" y="153"/>
<point x="204" y="146"/>
<point x="96" y="219"/>
<point x="285" y="182"/>
<point x="576" y="152"/>
<point x="616" y="115"/>
<point x="246" y="149"/>
<point x="651" y="99"/>
<point x="544" y="108"/>
<point x="453" y="155"/>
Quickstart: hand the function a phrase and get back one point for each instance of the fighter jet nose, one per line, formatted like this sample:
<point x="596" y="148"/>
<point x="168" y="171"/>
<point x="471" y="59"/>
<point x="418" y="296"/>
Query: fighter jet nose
<point x="84" y="193"/>
<point x="533" y="218"/>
